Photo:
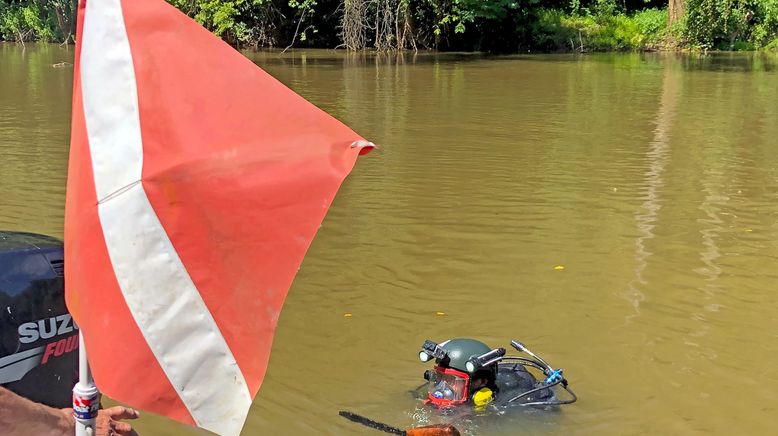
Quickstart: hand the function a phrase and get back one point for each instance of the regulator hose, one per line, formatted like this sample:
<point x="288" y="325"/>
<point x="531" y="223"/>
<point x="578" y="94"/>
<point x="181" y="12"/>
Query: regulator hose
<point x="563" y="382"/>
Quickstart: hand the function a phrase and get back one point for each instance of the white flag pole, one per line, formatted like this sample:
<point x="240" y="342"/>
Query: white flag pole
<point x="86" y="397"/>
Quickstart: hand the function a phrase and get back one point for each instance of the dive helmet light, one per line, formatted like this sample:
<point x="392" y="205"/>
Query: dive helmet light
<point x="477" y="362"/>
<point x="431" y="350"/>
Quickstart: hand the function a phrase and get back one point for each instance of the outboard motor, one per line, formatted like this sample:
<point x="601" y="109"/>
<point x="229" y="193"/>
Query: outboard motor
<point x="38" y="338"/>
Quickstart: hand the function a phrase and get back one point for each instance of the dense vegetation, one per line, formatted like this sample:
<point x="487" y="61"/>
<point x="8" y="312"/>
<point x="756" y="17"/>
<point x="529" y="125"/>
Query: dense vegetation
<point x="487" y="25"/>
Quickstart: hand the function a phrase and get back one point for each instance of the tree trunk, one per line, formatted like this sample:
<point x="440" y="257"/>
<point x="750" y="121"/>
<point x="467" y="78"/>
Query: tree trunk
<point x="674" y="11"/>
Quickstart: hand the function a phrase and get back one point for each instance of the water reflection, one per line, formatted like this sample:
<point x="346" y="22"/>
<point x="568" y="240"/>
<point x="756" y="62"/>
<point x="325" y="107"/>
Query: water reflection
<point x="658" y="156"/>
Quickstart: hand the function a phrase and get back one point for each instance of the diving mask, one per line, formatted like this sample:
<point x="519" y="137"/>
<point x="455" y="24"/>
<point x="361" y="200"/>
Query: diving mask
<point x="447" y="387"/>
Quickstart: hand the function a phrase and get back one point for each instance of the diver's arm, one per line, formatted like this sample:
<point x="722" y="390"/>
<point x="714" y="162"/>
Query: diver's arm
<point x="20" y="416"/>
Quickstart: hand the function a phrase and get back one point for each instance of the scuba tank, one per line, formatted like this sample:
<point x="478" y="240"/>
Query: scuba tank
<point x="38" y="338"/>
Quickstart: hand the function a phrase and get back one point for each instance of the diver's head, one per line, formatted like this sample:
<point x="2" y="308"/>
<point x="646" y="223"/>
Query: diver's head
<point x="457" y="373"/>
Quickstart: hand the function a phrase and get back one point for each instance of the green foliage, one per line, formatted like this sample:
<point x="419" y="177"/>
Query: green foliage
<point x="605" y="8"/>
<point x="457" y="14"/>
<point x="772" y="45"/>
<point x="218" y="16"/>
<point x="730" y="24"/>
<point x="599" y="31"/>
<point x="501" y="25"/>
<point x="548" y="33"/>
<point x="652" y="24"/>
<point x="765" y="27"/>
<point x="304" y="8"/>
<point x="27" y="21"/>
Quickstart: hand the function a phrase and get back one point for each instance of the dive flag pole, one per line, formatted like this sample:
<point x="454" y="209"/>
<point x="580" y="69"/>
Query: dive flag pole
<point x="86" y="397"/>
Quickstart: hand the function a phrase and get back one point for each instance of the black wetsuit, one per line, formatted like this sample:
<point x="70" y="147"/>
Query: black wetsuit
<point x="513" y="379"/>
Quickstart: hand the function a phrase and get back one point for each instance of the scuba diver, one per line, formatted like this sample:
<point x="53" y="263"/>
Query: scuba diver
<point x="468" y="372"/>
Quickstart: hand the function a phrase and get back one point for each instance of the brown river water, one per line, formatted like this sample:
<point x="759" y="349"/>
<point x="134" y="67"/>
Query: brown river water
<point x="651" y="179"/>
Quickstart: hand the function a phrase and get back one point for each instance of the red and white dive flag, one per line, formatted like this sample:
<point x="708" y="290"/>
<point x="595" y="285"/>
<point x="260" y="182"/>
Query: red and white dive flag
<point x="196" y="184"/>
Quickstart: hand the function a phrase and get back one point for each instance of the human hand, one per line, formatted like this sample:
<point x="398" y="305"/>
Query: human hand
<point x="109" y="423"/>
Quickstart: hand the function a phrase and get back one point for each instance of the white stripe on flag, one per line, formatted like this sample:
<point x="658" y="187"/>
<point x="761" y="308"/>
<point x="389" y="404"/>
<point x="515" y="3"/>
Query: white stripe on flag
<point x="161" y="296"/>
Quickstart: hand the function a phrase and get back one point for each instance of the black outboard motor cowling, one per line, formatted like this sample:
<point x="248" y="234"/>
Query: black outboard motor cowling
<point x="38" y="338"/>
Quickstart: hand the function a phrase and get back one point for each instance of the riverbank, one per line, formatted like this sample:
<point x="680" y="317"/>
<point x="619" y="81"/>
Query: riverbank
<point x="645" y="30"/>
<point x="497" y="26"/>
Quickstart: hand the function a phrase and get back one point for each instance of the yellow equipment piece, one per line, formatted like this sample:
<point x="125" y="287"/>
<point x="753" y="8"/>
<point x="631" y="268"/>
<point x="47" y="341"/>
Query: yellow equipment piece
<point x="483" y="397"/>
